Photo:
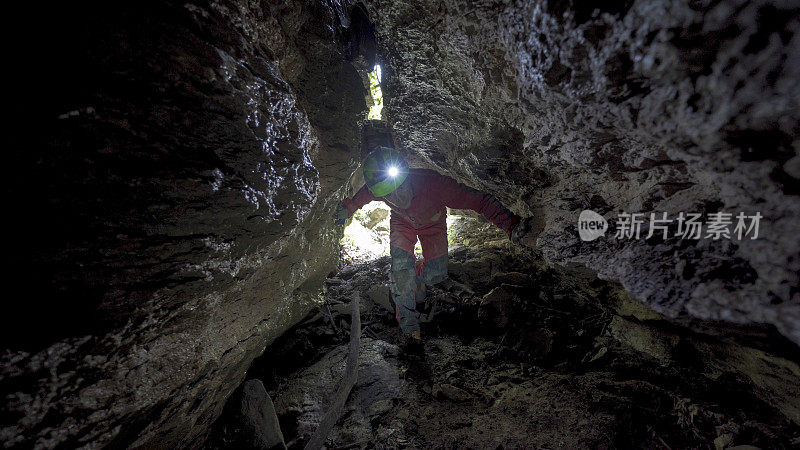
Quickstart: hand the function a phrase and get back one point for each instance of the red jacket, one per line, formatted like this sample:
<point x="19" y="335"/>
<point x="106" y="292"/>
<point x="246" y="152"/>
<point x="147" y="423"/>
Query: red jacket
<point x="432" y="194"/>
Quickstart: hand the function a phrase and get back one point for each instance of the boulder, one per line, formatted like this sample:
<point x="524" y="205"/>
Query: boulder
<point x="495" y="308"/>
<point x="306" y="399"/>
<point x="639" y="107"/>
<point x="258" y="418"/>
<point x="185" y="169"/>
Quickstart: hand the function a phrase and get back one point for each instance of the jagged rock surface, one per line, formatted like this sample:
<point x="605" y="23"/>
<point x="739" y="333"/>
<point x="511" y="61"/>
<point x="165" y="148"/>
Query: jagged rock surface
<point x="557" y="375"/>
<point x="182" y="176"/>
<point x="186" y="157"/>
<point x="645" y="106"/>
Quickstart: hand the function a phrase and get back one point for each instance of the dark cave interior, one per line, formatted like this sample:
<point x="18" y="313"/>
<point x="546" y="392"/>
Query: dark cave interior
<point x="177" y="166"/>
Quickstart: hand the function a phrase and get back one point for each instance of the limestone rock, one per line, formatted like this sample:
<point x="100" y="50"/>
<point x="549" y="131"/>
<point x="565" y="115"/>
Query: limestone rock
<point x="375" y="216"/>
<point x="173" y="202"/>
<point x="381" y="295"/>
<point x="450" y="392"/>
<point x="495" y="307"/>
<point x="639" y="107"/>
<point x="774" y="378"/>
<point x="178" y="190"/>
<point x="723" y="441"/>
<point x="260" y="421"/>
<point x="645" y="339"/>
<point x="307" y="398"/>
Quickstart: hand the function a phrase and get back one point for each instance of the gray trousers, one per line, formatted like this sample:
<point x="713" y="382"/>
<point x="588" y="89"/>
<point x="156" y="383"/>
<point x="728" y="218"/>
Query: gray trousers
<point x="405" y="283"/>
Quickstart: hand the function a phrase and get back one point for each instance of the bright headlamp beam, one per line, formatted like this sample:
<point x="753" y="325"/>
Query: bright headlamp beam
<point x="393" y="171"/>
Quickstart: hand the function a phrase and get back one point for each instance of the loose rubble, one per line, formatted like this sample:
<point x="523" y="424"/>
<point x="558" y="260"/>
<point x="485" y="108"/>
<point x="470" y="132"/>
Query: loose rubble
<point x="518" y="355"/>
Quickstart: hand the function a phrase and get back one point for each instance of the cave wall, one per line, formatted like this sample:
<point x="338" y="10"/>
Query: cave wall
<point x="176" y="165"/>
<point x="629" y="106"/>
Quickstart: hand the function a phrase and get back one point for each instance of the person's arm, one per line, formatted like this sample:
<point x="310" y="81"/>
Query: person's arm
<point x="362" y="197"/>
<point x="458" y="196"/>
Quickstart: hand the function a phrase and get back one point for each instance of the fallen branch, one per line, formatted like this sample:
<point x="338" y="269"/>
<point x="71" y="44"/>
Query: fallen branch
<point x="347" y="383"/>
<point x="353" y="445"/>
<point x="327" y="312"/>
<point x="371" y="333"/>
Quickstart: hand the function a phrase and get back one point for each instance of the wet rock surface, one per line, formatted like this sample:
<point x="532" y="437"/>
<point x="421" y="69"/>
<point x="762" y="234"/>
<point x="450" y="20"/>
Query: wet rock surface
<point x="638" y="107"/>
<point x="174" y="203"/>
<point x="561" y="374"/>
<point x="257" y="420"/>
<point x="176" y="165"/>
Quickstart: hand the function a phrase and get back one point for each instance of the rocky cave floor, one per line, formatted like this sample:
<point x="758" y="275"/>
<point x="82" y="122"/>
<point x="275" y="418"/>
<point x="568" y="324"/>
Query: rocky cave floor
<point x="517" y="355"/>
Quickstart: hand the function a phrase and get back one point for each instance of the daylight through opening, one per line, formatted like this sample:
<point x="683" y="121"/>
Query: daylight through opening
<point x="375" y="110"/>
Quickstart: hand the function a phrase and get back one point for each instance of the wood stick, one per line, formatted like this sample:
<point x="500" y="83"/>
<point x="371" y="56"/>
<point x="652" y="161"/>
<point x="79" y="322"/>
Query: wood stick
<point x="347" y="383"/>
<point x="327" y="313"/>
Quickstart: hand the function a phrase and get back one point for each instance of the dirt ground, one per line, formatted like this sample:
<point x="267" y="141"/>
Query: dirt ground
<point x="517" y="355"/>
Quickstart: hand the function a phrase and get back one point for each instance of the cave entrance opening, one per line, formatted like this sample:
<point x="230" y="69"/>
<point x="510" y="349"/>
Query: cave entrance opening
<point x="376" y="108"/>
<point x="366" y="236"/>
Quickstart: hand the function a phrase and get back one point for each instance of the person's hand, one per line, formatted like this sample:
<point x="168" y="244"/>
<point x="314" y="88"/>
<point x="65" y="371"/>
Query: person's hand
<point x="340" y="215"/>
<point x="527" y="231"/>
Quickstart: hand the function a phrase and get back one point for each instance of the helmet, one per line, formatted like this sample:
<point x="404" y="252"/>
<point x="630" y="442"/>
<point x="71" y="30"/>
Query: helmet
<point x="384" y="171"/>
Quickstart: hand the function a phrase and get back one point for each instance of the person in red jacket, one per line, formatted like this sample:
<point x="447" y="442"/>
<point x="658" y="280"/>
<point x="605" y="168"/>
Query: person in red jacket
<point x="418" y="199"/>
